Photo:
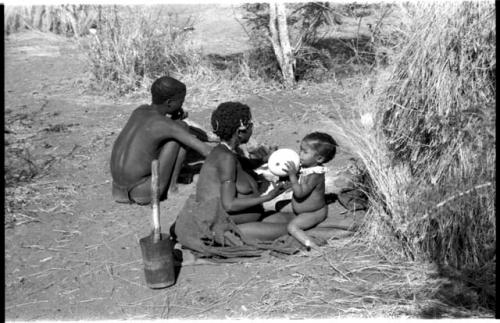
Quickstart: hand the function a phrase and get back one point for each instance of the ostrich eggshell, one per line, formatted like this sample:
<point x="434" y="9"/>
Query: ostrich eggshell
<point x="277" y="160"/>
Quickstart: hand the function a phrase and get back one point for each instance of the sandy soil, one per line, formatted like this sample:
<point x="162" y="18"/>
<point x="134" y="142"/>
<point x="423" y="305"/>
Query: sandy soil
<point x="71" y="253"/>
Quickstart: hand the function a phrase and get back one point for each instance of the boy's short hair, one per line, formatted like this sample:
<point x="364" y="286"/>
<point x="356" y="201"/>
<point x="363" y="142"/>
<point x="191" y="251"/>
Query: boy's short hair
<point x="166" y="88"/>
<point x="323" y="143"/>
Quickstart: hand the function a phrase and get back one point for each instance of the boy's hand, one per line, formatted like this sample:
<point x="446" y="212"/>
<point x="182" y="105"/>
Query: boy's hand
<point x="180" y="115"/>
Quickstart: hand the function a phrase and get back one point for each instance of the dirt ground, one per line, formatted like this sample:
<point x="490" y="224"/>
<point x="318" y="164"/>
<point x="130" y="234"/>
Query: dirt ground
<point x="71" y="253"/>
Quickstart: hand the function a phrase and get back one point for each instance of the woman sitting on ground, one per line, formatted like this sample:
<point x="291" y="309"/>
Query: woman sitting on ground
<point x="227" y="207"/>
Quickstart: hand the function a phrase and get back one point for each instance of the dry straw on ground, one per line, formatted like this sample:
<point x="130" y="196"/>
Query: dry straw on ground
<point x="419" y="205"/>
<point x="360" y="284"/>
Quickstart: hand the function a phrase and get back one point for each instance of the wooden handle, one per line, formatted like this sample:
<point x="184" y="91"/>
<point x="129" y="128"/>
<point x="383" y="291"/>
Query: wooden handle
<point x="155" y="201"/>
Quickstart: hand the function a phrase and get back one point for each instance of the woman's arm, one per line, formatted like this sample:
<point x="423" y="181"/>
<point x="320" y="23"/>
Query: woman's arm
<point x="227" y="176"/>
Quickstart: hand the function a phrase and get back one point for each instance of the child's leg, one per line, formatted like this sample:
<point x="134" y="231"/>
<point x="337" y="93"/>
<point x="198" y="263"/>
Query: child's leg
<point x="306" y="221"/>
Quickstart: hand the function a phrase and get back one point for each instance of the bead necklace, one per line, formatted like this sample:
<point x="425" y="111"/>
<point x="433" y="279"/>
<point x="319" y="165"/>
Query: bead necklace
<point x="227" y="146"/>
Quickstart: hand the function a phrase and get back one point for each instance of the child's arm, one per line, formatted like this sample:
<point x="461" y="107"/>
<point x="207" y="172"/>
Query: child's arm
<point x="305" y="188"/>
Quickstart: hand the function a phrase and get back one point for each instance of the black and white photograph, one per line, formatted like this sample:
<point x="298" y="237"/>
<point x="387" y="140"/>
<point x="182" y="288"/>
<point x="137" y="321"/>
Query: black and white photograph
<point x="246" y="160"/>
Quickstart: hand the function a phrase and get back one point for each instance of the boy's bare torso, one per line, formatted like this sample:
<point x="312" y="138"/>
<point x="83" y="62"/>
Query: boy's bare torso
<point x="138" y="144"/>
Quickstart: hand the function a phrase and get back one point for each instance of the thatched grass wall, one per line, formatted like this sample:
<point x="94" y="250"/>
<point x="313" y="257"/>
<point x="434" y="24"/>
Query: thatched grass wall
<point x="431" y="151"/>
<point x="438" y="118"/>
<point x="437" y="114"/>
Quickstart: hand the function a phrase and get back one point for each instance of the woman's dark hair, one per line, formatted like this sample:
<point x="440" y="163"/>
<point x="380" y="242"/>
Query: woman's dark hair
<point x="165" y="88"/>
<point x="323" y="143"/>
<point x="228" y="117"/>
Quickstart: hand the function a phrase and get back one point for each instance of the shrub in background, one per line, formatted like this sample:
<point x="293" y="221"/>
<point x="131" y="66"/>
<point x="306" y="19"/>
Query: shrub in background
<point x="317" y="51"/>
<point x="304" y="21"/>
<point x="68" y="20"/>
<point x="133" y="45"/>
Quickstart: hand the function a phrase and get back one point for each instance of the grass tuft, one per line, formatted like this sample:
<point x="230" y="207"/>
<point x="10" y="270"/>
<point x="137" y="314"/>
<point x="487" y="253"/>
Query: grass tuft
<point x="135" y="44"/>
<point x="69" y="20"/>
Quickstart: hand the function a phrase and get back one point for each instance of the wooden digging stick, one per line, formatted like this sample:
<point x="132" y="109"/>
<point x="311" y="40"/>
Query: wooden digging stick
<point x="155" y="203"/>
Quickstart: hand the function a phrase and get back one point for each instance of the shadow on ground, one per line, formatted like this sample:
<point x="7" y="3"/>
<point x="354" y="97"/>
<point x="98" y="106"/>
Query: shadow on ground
<point x="460" y="295"/>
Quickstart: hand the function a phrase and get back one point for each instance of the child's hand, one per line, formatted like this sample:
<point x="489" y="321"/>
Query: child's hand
<point x="291" y="169"/>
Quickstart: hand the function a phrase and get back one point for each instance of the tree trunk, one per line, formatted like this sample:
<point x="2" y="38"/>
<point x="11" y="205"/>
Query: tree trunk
<point x="73" y="18"/>
<point x="288" y="59"/>
<point x="37" y="16"/>
<point x="281" y="42"/>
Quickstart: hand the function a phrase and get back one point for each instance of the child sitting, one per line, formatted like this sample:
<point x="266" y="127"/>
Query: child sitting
<point x="308" y="201"/>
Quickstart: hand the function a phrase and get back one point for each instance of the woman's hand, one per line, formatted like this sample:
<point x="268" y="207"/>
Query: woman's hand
<point x="278" y="188"/>
<point x="179" y="115"/>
